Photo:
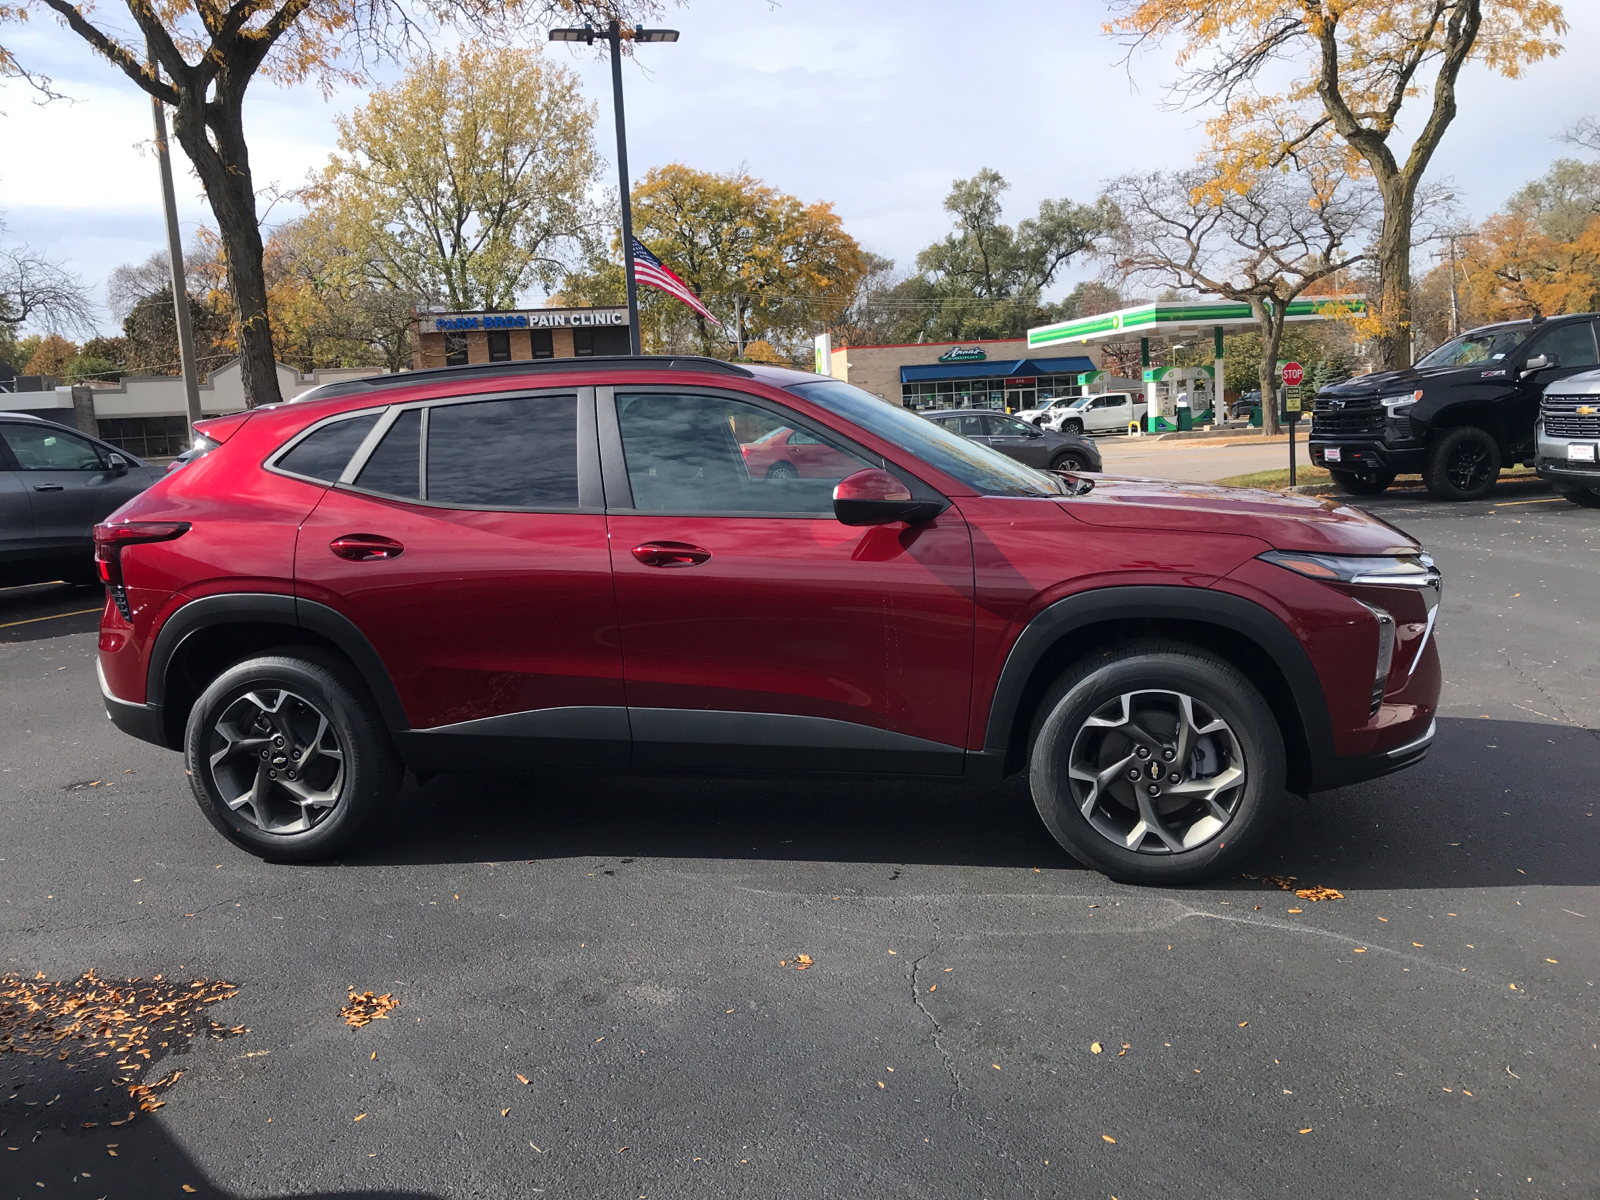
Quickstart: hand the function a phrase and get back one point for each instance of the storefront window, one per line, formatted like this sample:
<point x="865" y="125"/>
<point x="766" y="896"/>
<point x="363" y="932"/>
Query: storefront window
<point x="544" y="343"/>
<point x="499" y="345"/>
<point x="455" y="349"/>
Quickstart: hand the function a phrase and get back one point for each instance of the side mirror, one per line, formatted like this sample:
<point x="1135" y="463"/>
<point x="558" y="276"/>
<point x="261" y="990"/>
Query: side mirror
<point x="875" y="497"/>
<point x="1539" y="362"/>
<point x="118" y="463"/>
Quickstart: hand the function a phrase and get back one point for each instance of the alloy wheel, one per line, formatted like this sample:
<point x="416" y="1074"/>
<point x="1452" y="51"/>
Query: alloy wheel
<point x="276" y="760"/>
<point x="1156" y="772"/>
<point x="1469" y="466"/>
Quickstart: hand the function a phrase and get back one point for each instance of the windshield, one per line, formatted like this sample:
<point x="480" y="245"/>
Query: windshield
<point x="985" y="471"/>
<point x="1485" y="346"/>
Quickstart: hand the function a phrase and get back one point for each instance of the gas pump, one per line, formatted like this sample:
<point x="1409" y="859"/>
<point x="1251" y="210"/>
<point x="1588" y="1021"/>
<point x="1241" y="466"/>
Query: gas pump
<point x="1163" y="385"/>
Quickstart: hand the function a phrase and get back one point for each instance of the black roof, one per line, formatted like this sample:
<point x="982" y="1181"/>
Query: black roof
<point x="537" y="366"/>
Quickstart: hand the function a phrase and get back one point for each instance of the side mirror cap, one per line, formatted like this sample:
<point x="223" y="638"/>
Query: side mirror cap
<point x="118" y="463"/>
<point x="1539" y="362"/>
<point x="875" y="497"/>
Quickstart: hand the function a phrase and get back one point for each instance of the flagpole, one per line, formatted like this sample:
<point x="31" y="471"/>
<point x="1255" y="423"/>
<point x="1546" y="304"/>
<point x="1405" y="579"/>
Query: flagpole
<point x="614" y="33"/>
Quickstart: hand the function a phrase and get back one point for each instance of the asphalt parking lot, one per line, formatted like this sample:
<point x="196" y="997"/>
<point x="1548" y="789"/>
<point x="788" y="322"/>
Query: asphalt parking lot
<point x="597" y="983"/>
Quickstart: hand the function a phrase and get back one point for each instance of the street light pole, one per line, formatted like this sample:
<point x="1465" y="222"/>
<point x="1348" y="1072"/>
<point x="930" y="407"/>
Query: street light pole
<point x="613" y="36"/>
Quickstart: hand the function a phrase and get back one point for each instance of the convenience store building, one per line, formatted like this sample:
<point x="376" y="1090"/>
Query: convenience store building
<point x="982" y="373"/>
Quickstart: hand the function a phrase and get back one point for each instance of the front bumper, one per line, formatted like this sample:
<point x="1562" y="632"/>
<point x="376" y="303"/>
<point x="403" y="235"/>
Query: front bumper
<point x="1368" y="453"/>
<point x="143" y="721"/>
<point x="1357" y="768"/>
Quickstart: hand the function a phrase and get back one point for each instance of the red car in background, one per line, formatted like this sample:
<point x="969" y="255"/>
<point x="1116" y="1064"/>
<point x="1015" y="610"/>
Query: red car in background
<point x="793" y="454"/>
<point x="566" y="563"/>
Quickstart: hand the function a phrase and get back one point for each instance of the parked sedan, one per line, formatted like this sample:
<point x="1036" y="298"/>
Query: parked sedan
<point x="793" y="454"/>
<point x="56" y="485"/>
<point x="1021" y="441"/>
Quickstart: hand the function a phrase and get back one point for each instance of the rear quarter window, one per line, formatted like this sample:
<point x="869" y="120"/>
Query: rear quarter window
<point x="324" y="453"/>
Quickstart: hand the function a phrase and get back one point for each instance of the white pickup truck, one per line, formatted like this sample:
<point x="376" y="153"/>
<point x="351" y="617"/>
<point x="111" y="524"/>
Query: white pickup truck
<point x="1108" y="412"/>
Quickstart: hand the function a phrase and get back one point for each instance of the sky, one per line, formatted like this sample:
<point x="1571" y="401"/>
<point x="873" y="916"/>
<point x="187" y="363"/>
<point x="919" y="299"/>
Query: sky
<point x="875" y="107"/>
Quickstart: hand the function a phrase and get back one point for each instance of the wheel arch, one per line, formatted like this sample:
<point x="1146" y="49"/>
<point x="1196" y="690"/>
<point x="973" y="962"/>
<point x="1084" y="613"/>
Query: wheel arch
<point x="207" y="636"/>
<point x="1480" y="414"/>
<point x="1238" y="631"/>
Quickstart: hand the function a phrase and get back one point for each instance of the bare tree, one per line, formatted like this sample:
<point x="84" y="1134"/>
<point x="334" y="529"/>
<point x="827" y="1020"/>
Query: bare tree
<point x="1265" y="245"/>
<point x="37" y="290"/>
<point x="1585" y="132"/>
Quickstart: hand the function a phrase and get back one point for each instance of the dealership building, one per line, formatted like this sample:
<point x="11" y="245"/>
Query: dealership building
<point x="985" y="373"/>
<point x="453" y="339"/>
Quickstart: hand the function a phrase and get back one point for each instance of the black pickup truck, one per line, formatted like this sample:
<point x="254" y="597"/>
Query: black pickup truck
<point x="1457" y="417"/>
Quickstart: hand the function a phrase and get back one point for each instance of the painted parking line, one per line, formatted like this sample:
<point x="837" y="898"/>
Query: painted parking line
<point x="52" y="617"/>
<point x="1541" y="500"/>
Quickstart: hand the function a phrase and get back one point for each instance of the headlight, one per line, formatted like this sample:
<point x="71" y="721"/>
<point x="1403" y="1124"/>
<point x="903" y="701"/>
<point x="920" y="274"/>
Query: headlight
<point x="1399" y="406"/>
<point x="1387" y="570"/>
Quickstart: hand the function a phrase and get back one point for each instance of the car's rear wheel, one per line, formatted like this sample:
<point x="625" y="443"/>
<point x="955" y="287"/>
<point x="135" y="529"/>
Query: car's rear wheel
<point x="1584" y="497"/>
<point x="1157" y="763"/>
<point x="1463" y="464"/>
<point x="783" y="470"/>
<point x="288" y="756"/>
<point x="1369" y="481"/>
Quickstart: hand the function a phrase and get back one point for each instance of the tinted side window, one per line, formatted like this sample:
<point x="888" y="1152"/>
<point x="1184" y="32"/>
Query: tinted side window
<point x="51" y="448"/>
<point x="520" y="453"/>
<point x="1572" y="344"/>
<point x="393" y="467"/>
<point x="325" y="454"/>
<point x="694" y="453"/>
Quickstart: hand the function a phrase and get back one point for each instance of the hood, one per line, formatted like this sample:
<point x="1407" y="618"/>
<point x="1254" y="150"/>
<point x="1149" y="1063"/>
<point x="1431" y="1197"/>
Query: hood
<point x="1389" y="383"/>
<point x="1306" y="523"/>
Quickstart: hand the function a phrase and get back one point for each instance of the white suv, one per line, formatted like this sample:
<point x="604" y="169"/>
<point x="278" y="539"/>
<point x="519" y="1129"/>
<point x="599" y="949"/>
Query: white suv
<point x="1045" y="409"/>
<point x="1109" y="412"/>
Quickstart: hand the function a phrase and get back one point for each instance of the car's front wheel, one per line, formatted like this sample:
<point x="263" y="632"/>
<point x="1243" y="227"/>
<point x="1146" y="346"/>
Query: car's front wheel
<point x="1069" y="462"/>
<point x="288" y="756"/>
<point x="1072" y="426"/>
<point x="1463" y="464"/>
<point x="1367" y="482"/>
<point x="1157" y="763"/>
<point x="1584" y="497"/>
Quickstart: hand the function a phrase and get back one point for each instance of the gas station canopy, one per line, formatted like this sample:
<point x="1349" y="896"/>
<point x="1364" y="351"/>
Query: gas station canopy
<point x="1167" y="318"/>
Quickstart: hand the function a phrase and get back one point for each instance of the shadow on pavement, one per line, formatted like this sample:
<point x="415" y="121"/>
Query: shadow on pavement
<point x="46" y="1148"/>
<point x="45" y="610"/>
<point x="1492" y="797"/>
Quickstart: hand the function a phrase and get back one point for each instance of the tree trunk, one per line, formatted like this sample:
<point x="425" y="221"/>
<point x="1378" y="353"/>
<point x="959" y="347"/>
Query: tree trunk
<point x="1394" y="273"/>
<point x="1271" y="319"/>
<point x="212" y="135"/>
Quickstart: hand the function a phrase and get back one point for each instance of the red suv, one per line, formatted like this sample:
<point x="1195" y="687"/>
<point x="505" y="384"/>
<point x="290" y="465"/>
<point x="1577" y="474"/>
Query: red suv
<point x="572" y="564"/>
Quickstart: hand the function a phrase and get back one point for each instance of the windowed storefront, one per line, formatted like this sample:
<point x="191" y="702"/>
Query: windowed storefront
<point x="454" y="339"/>
<point x="922" y="376"/>
<point x="1012" y="394"/>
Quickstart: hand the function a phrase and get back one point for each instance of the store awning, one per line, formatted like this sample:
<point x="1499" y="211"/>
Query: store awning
<point x="996" y="369"/>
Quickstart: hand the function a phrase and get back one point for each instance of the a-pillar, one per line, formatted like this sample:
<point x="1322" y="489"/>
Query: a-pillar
<point x="1149" y="386"/>
<point x="1219" y="401"/>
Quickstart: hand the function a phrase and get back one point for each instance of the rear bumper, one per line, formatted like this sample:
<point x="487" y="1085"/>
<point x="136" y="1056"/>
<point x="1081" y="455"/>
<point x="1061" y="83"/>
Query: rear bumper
<point x="143" y="721"/>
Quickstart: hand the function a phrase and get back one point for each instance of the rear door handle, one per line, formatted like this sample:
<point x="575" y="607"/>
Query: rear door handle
<point x="364" y="547"/>
<point x="670" y="554"/>
<point x="49" y="487"/>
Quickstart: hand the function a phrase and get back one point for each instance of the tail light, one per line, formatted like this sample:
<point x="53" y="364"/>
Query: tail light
<point x="108" y="543"/>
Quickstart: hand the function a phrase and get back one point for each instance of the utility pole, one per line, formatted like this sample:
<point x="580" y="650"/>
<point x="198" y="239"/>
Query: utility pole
<point x="614" y="35"/>
<point x="1455" y="302"/>
<point x="180" y="281"/>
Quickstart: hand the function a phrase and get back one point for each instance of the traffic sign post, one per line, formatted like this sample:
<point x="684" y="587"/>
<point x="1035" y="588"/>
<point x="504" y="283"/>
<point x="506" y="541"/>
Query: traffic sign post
<point x="1293" y="374"/>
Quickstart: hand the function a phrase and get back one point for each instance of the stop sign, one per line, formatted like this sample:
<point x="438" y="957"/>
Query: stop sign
<point x="1293" y="373"/>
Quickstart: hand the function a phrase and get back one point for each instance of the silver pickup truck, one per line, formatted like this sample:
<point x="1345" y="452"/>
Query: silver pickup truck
<point x="1567" y="438"/>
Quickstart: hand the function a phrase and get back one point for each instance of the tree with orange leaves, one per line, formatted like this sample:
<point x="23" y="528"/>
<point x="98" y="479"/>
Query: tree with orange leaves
<point x="1352" y="66"/>
<point x="200" y="56"/>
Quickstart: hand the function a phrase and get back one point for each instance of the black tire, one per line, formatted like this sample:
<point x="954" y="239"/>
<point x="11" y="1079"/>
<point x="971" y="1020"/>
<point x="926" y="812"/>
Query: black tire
<point x="783" y="470"/>
<point x="1464" y="464"/>
<point x="1072" y="426"/>
<point x="351" y="757"/>
<point x="1154" y="674"/>
<point x="1069" y="462"/>
<point x="1584" y="497"/>
<point x="1371" y="482"/>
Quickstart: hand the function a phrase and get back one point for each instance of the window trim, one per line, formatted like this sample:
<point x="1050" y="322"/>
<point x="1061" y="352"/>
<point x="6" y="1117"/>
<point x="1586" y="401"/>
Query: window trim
<point x="590" y="495"/>
<point x="614" y="465"/>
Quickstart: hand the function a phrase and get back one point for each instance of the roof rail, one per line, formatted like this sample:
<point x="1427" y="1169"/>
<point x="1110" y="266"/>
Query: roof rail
<point x="614" y="362"/>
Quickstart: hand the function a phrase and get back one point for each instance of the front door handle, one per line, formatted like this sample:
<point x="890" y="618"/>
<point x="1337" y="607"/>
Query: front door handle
<point x="670" y="554"/>
<point x="365" y="547"/>
<point x="49" y="487"/>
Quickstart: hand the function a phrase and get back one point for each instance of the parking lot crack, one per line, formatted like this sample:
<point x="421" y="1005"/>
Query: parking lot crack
<point x="935" y="1024"/>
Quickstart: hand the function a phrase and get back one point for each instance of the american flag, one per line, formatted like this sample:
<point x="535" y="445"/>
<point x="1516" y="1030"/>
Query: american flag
<point x="648" y="270"/>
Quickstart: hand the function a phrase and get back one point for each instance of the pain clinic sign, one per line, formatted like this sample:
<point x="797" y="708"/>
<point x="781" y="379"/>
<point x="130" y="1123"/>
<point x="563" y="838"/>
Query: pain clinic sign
<point x="556" y="318"/>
